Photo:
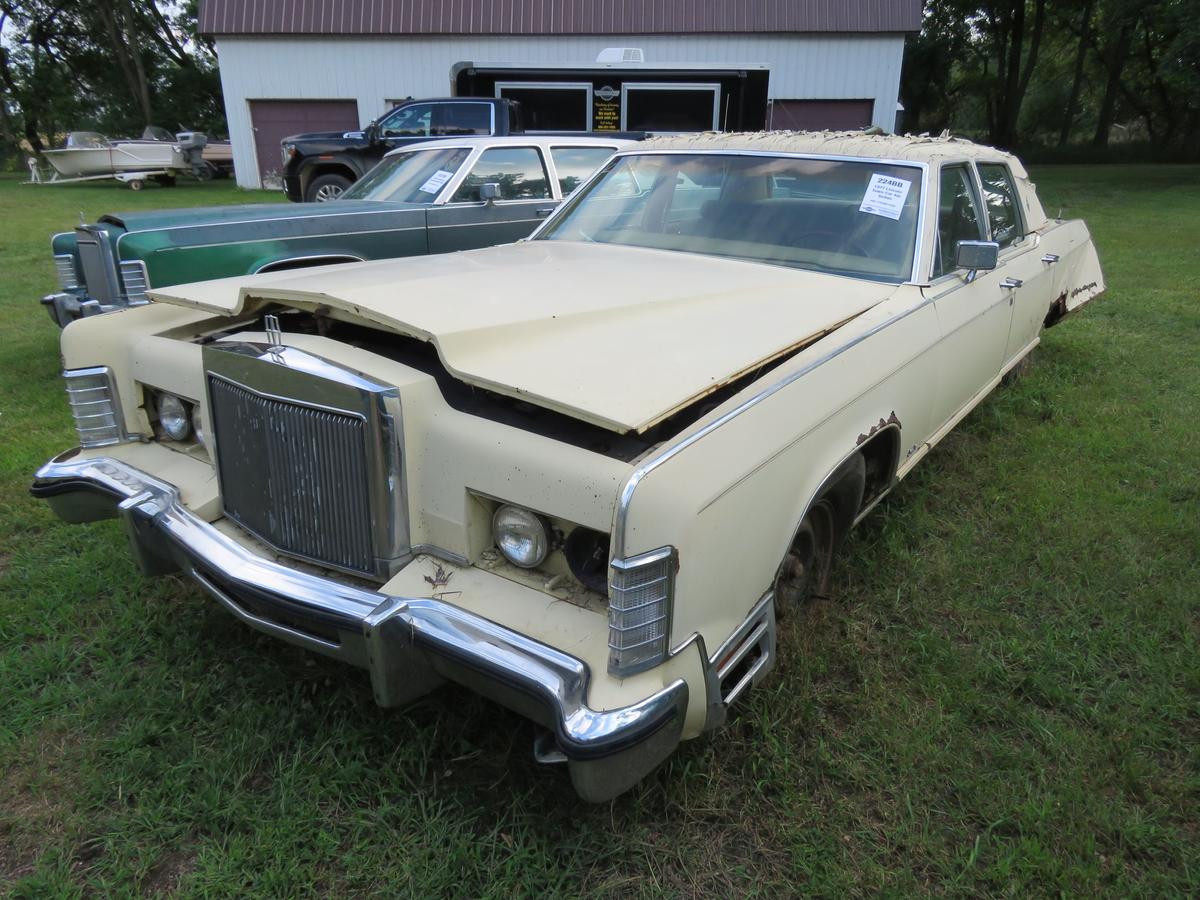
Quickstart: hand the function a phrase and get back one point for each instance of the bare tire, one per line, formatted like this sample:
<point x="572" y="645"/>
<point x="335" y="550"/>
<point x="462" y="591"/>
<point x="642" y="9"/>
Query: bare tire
<point x="324" y="188"/>
<point x="137" y="184"/>
<point x="805" y="572"/>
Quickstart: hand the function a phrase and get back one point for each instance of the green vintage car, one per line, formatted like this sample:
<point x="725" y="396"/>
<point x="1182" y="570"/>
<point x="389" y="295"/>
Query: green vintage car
<point x="443" y="195"/>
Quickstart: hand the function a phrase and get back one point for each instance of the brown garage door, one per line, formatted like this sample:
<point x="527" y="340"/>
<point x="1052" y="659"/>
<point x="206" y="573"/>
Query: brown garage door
<point x="818" y="115"/>
<point x="273" y="120"/>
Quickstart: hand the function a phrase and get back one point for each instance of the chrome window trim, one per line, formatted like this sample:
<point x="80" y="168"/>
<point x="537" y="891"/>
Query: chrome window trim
<point x="292" y="376"/>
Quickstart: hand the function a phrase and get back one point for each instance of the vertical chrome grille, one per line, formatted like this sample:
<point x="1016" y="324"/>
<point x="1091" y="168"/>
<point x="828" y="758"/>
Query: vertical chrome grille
<point x="134" y="279"/>
<point x="295" y="475"/>
<point x="64" y="265"/>
<point x="309" y="455"/>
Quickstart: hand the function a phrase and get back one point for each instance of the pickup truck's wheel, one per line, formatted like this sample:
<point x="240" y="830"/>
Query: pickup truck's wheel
<point x="326" y="187"/>
<point x="805" y="572"/>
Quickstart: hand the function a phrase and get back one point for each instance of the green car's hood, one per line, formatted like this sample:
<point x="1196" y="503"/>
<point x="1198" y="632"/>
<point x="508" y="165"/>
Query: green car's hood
<point x="153" y="220"/>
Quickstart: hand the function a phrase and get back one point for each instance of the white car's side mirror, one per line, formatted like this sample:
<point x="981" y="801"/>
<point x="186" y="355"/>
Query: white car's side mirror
<point x="489" y="192"/>
<point x="976" y="255"/>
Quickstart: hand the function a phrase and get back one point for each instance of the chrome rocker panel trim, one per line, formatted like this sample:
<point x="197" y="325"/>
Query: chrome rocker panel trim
<point x="408" y="644"/>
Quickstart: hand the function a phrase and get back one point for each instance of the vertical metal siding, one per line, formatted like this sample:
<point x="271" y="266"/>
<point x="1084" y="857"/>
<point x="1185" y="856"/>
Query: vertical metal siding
<point x="374" y="70"/>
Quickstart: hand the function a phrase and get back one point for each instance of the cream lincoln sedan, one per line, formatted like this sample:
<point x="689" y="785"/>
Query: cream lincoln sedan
<point x="583" y="473"/>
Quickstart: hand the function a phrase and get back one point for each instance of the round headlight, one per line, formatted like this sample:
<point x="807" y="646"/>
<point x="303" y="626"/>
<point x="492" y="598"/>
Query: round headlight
<point x="198" y="425"/>
<point x="174" y="417"/>
<point x="521" y="536"/>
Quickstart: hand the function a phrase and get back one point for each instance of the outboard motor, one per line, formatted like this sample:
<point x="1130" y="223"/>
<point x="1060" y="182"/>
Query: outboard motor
<point x="192" y="144"/>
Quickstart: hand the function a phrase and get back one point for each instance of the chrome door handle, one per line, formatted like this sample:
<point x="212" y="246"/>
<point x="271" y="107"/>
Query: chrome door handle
<point x="1051" y="258"/>
<point x="1011" y="283"/>
<point x="542" y="213"/>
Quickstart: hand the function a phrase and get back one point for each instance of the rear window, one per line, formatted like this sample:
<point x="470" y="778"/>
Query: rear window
<point x="455" y="119"/>
<point x="575" y="165"/>
<point x="1000" y="197"/>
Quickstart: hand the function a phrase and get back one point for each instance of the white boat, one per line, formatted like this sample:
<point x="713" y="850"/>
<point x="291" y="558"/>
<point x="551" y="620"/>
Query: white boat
<point x="89" y="154"/>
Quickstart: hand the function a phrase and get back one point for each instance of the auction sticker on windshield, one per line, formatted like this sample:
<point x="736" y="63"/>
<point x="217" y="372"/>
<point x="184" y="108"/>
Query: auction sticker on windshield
<point x="436" y="180"/>
<point x="885" y="196"/>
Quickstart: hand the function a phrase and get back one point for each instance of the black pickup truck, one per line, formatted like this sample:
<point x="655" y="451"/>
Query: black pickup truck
<point x="319" y="166"/>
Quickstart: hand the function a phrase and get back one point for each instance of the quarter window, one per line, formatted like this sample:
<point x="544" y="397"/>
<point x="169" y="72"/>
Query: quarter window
<point x="958" y="217"/>
<point x="518" y="170"/>
<point x="576" y="164"/>
<point x="1000" y="197"/>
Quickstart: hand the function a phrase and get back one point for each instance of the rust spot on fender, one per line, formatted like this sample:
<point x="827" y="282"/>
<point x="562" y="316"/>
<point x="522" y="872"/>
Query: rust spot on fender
<point x="882" y="423"/>
<point x="1057" y="310"/>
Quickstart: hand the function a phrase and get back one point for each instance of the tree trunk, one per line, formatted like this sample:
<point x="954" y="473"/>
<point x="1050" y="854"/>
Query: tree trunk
<point x="1115" y="64"/>
<point x="127" y="56"/>
<point x="1064" y="135"/>
<point x="1012" y="79"/>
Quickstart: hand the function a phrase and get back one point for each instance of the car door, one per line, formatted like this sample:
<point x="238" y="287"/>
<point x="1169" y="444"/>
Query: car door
<point x="1022" y="262"/>
<point x="974" y="311"/>
<point x="527" y="196"/>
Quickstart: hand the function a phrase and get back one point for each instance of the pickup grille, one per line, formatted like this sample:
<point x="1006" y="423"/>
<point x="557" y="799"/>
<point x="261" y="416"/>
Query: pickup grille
<point x="296" y="476"/>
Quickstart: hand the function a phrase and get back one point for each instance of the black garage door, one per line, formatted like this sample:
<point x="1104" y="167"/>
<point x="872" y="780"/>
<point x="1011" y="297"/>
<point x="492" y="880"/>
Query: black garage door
<point x="273" y="120"/>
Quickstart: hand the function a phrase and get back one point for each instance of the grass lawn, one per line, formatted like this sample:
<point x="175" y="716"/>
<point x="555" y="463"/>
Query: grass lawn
<point x="1005" y="698"/>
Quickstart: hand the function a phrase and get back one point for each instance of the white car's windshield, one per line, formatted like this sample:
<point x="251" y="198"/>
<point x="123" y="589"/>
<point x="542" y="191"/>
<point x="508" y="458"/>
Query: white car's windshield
<point x="845" y="217"/>
<point x="414" y="177"/>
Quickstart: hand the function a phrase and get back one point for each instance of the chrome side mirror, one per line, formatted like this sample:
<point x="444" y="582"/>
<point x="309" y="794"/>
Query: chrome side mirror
<point x="489" y="192"/>
<point x="976" y="256"/>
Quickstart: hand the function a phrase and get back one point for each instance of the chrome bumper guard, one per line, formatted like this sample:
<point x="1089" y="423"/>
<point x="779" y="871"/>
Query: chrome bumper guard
<point x="65" y="307"/>
<point x="408" y="644"/>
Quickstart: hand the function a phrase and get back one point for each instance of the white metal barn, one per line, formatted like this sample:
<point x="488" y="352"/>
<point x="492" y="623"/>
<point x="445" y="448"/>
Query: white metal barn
<point x="290" y="66"/>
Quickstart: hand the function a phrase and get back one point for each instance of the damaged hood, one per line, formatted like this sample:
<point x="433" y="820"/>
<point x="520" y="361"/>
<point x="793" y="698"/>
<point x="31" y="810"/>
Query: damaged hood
<point x="621" y="337"/>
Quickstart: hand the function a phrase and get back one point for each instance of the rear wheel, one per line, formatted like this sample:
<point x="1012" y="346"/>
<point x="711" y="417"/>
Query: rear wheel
<point x="136" y="184"/>
<point x="324" y="188"/>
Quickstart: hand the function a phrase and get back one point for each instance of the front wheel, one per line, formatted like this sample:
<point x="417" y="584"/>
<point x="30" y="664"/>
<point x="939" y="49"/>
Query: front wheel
<point x="806" y="570"/>
<point x="324" y="188"/>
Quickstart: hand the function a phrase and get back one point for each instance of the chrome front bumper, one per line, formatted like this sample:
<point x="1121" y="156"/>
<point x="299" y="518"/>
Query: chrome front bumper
<point x="408" y="644"/>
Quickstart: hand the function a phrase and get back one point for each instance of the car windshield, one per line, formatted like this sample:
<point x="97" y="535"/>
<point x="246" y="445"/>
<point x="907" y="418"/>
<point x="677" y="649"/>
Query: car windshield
<point x="414" y="177"/>
<point x="842" y="216"/>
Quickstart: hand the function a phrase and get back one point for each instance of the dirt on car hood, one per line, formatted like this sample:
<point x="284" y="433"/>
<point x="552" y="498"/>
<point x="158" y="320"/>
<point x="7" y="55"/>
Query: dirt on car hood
<point x="621" y="337"/>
